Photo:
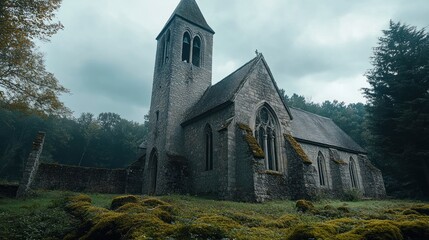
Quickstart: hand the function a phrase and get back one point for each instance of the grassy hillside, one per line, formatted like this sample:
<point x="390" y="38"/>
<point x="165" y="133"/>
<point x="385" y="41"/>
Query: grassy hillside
<point x="58" y="215"/>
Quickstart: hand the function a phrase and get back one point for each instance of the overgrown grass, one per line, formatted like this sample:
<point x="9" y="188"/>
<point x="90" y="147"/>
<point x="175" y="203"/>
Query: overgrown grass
<point x="187" y="217"/>
<point x="39" y="217"/>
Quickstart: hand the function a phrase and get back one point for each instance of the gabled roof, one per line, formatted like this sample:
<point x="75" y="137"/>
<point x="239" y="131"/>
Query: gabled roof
<point x="223" y="93"/>
<point x="314" y="129"/>
<point x="189" y="11"/>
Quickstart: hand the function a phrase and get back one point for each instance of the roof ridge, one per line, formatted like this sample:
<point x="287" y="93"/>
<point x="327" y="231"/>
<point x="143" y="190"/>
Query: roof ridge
<point x="238" y="69"/>
<point x="189" y="11"/>
<point x="299" y="109"/>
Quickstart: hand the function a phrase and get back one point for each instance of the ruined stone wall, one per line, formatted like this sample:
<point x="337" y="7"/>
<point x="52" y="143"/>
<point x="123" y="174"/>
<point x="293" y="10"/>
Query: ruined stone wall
<point x="31" y="166"/>
<point x="80" y="179"/>
<point x="373" y="184"/>
<point x="134" y="173"/>
<point x="211" y="182"/>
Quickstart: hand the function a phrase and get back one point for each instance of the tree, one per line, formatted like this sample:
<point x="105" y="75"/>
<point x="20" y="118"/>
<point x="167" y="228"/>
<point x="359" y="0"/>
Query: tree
<point x="399" y="107"/>
<point x="24" y="81"/>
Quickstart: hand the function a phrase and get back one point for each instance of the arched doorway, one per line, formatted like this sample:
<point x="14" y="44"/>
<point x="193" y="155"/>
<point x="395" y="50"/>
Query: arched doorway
<point x="153" y="171"/>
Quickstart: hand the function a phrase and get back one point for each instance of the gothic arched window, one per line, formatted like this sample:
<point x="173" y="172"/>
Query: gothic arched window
<point x="186" y="47"/>
<point x="322" y="169"/>
<point x="353" y="174"/>
<point x="265" y="133"/>
<point x="196" y="51"/>
<point x="208" y="135"/>
<point x="153" y="171"/>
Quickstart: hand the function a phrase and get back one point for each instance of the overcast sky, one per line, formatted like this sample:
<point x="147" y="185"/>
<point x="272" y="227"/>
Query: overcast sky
<point x="320" y="49"/>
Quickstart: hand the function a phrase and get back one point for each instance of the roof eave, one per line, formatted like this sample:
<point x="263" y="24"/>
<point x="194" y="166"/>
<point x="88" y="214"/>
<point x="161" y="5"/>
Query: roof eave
<point x="330" y="146"/>
<point x="207" y="113"/>
<point x="209" y="29"/>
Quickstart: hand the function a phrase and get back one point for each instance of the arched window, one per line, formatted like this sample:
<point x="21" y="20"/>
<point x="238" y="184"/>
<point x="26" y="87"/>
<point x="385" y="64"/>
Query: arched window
<point x="322" y="169"/>
<point x="353" y="174"/>
<point x="208" y="135"/>
<point x="167" y="47"/>
<point x="186" y="47"/>
<point x="265" y="133"/>
<point x="196" y="51"/>
<point x="153" y="171"/>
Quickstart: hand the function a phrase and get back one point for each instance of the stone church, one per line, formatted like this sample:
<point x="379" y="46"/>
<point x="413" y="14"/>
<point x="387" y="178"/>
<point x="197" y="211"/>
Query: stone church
<point x="238" y="139"/>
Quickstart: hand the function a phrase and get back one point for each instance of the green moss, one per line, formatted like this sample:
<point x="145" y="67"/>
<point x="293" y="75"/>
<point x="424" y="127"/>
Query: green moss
<point x="209" y="227"/>
<point x="313" y="231"/>
<point x="247" y="219"/>
<point x="165" y="216"/>
<point x="348" y="236"/>
<point x="423" y="209"/>
<point x="284" y="221"/>
<point x="378" y="230"/>
<point x="298" y="149"/>
<point x="131" y="208"/>
<point x="344" y="225"/>
<point x="259" y="233"/>
<point x="154" y="202"/>
<point x="417" y="229"/>
<point x="304" y="205"/>
<point x="409" y="212"/>
<point x="79" y="198"/>
<point x="121" y="200"/>
<point x="256" y="150"/>
<point x="338" y="161"/>
<point x="271" y="172"/>
<point x="343" y="209"/>
<point x="244" y="127"/>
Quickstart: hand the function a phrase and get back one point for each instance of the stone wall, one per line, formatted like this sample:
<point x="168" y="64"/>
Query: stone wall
<point x="212" y="182"/>
<point x="80" y="179"/>
<point x="177" y="86"/>
<point x="372" y="179"/>
<point x="369" y="179"/>
<point x="259" y="89"/>
<point x="134" y="174"/>
<point x="31" y="166"/>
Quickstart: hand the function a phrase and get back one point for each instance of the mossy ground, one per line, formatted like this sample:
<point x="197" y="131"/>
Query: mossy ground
<point x="186" y="217"/>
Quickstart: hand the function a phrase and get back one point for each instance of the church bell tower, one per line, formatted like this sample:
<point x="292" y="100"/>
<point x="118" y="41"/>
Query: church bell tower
<point x="183" y="71"/>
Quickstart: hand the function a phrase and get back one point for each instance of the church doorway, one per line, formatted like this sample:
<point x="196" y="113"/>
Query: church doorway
<point x="153" y="171"/>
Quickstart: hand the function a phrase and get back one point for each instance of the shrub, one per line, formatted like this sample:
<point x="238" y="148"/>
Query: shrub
<point x="352" y="195"/>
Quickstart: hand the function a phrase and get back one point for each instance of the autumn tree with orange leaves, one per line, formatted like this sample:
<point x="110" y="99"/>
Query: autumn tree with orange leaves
<point x="25" y="83"/>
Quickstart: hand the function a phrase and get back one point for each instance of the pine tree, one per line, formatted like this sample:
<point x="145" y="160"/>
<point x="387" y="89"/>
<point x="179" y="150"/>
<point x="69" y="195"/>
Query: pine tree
<point x="398" y="108"/>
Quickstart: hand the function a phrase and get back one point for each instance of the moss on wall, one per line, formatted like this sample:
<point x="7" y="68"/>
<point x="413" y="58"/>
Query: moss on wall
<point x="251" y="141"/>
<point x="298" y="149"/>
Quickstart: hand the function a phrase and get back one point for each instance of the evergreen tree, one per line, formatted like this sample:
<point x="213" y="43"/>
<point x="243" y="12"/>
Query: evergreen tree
<point x="399" y="108"/>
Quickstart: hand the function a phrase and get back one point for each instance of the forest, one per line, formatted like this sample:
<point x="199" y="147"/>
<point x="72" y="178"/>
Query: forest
<point x="393" y="125"/>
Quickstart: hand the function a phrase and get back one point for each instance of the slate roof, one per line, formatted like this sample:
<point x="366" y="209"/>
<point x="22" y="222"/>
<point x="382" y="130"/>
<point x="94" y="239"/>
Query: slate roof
<point x="222" y="92"/>
<point x="318" y="130"/>
<point x="189" y="11"/>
